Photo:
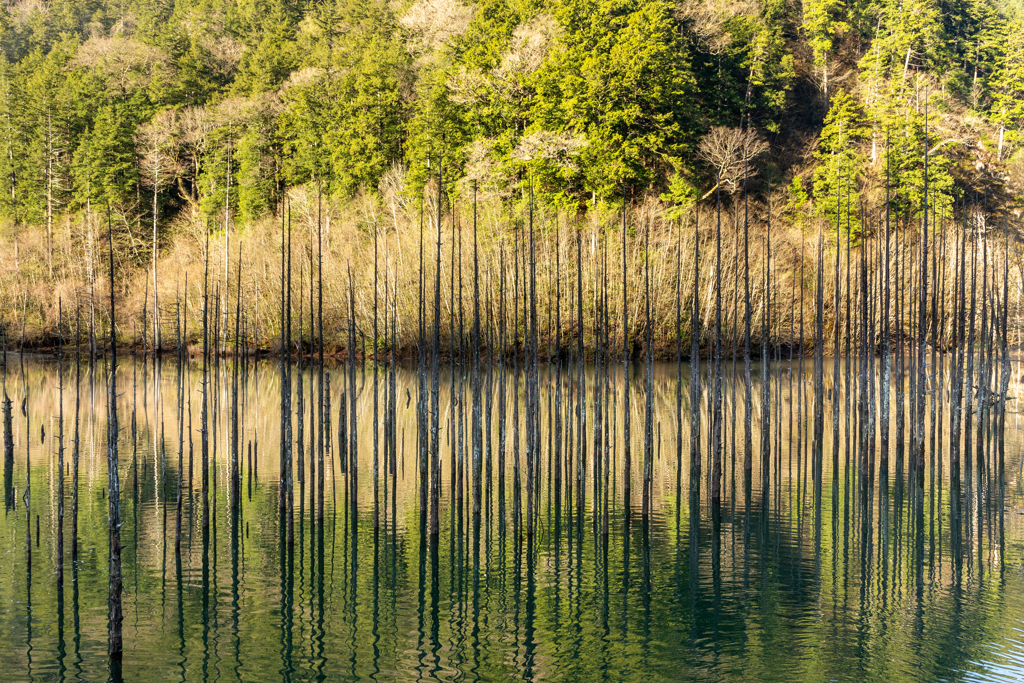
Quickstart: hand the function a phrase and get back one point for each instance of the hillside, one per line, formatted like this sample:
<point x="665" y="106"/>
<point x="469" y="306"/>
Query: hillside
<point x="178" y="119"/>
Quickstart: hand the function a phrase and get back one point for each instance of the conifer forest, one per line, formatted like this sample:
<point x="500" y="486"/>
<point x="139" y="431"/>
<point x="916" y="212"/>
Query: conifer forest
<point x="499" y="340"/>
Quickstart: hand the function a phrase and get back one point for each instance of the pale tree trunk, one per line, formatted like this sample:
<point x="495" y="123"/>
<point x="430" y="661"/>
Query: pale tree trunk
<point x="49" y="195"/>
<point x="227" y="229"/>
<point x="156" y="296"/>
<point x="92" y="279"/>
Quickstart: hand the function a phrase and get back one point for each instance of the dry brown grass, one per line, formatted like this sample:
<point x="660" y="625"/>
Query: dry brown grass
<point x="80" y="272"/>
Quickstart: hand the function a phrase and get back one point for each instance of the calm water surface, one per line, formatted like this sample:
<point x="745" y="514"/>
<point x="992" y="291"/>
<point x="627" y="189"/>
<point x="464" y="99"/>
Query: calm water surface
<point x="875" y="582"/>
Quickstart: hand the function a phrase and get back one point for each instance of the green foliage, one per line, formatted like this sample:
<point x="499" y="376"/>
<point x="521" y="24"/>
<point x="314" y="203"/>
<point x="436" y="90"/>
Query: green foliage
<point x="770" y="66"/>
<point x="909" y="40"/>
<point x="904" y="161"/>
<point x="1008" y="84"/>
<point x="218" y="180"/>
<point x="105" y="160"/>
<point x="619" y="79"/>
<point x="270" y="60"/>
<point x="437" y="134"/>
<point x="257" y="165"/>
<point x="681" y="194"/>
<point x="576" y="100"/>
<point x="344" y="121"/>
<point x="797" y="199"/>
<point x="822" y="23"/>
<point x="836" y="189"/>
<point x="369" y="114"/>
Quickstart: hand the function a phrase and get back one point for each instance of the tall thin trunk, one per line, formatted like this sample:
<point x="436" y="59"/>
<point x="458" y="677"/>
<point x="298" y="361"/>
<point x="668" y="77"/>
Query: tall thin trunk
<point x="695" y="376"/>
<point x="883" y="460"/>
<point x="204" y="418"/>
<point x="477" y="430"/>
<point x="60" y="444"/>
<point x="716" y="415"/>
<point x="114" y="611"/>
<point x="75" y="451"/>
<point x="156" y="297"/>
<point x="627" y="474"/>
<point x="435" y="465"/>
<point x="922" y="326"/>
<point x="8" y="418"/>
<point x="320" y="421"/>
<point x="817" y="453"/>
<point x="649" y="385"/>
<point x="376" y="396"/>
<point x="748" y="401"/>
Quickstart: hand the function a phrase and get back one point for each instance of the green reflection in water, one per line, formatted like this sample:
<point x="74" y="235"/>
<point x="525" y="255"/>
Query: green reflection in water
<point x="881" y="582"/>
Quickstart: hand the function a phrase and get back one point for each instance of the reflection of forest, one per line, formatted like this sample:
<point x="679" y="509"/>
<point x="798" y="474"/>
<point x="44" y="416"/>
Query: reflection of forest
<point x="873" y="582"/>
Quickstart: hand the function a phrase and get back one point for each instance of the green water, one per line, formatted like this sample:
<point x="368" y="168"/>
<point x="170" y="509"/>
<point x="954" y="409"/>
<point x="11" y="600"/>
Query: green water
<point x="875" y="582"/>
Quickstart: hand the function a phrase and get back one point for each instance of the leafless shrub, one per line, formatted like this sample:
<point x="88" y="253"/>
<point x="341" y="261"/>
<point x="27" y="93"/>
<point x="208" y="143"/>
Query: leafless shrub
<point x="470" y="87"/>
<point x="157" y="145"/>
<point x="556" y="149"/>
<point x="23" y="12"/>
<point x="433" y="23"/>
<point x="303" y="78"/>
<point x="707" y="19"/>
<point x="126" y="63"/>
<point x="393" y="190"/>
<point x="731" y="152"/>
<point x="226" y="53"/>
<point x="529" y="46"/>
<point x="483" y="170"/>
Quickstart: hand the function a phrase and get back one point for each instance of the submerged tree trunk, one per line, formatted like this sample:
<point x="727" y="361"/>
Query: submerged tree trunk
<point x="114" y="611"/>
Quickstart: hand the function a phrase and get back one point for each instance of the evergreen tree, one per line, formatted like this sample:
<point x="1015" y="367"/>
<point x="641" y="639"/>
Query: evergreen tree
<point x="618" y="80"/>
<point x="581" y="99"/>
<point x="1008" y="84"/>
<point x="836" y="179"/>
<point x="823" y="22"/>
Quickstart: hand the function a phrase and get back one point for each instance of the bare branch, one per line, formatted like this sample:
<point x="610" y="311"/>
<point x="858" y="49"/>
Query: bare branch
<point x="731" y="152"/>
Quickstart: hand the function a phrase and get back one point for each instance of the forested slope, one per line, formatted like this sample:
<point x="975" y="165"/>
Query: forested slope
<point x="175" y="117"/>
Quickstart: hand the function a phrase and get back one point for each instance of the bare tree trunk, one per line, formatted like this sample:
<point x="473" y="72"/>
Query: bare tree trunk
<point x="60" y="445"/>
<point x="435" y="466"/>
<point x="477" y="427"/>
<point x="923" y="325"/>
<point x="376" y="374"/>
<point x="75" y="451"/>
<point x="114" y="611"/>
<point x="204" y="419"/>
<point x="8" y="418"/>
<point x="649" y="385"/>
<point x="627" y="449"/>
<point x="695" y="376"/>
<point x="49" y="194"/>
<point x="716" y="415"/>
<point x="156" y="296"/>
<point x="227" y="232"/>
<point x="817" y="451"/>
<point x="765" y="377"/>
<point x="180" y="399"/>
<point x="883" y="461"/>
<point x="422" y="418"/>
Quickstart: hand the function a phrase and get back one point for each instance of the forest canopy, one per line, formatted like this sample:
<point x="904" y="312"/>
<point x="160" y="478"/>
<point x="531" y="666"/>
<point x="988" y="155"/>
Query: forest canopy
<point x="211" y="109"/>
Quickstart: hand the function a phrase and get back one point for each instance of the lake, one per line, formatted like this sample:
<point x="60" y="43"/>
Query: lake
<point x="827" y="574"/>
